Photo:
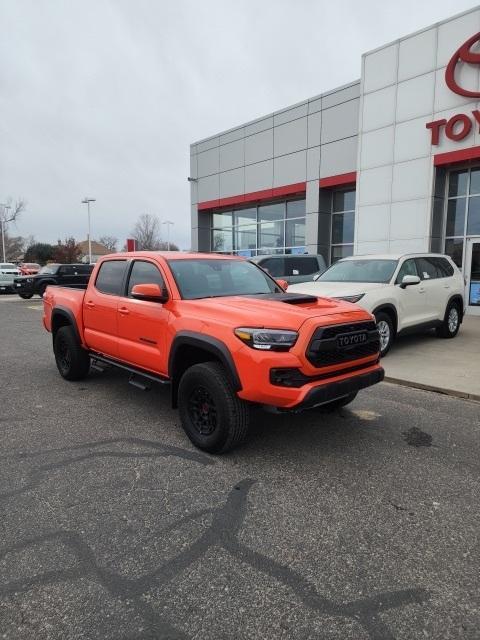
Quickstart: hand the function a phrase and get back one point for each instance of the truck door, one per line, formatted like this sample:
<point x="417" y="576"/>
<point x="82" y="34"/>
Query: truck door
<point x="100" y="307"/>
<point x="142" y="324"/>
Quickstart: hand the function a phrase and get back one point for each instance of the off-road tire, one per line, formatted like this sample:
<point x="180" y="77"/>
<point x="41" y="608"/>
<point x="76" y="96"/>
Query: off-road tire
<point x="339" y="403"/>
<point x="227" y="413"/>
<point x="73" y="362"/>
<point x="384" y="323"/>
<point x="451" y="322"/>
<point x="25" y="296"/>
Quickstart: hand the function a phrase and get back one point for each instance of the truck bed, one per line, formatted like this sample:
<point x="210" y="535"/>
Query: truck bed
<point x="69" y="299"/>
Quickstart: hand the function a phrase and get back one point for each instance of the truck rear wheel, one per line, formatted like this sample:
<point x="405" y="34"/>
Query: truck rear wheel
<point x="212" y="415"/>
<point x="73" y="362"/>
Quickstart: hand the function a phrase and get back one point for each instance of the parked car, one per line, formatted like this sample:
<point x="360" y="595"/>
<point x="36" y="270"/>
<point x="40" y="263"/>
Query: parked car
<point x="29" y="268"/>
<point x="220" y="331"/>
<point x="72" y="275"/>
<point x="405" y="293"/>
<point x="292" y="268"/>
<point x="8" y="271"/>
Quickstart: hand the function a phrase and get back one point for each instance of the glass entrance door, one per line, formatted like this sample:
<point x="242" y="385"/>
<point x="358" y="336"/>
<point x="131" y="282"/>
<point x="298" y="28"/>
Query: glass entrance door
<point x="472" y="276"/>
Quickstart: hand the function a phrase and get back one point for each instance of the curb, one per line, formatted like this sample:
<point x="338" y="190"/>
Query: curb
<point x="426" y="387"/>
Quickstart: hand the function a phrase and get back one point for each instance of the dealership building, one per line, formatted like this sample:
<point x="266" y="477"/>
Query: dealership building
<point x="389" y="163"/>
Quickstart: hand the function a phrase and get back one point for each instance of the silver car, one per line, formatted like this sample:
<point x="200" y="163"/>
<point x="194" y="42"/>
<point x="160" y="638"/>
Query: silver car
<point x="8" y="271"/>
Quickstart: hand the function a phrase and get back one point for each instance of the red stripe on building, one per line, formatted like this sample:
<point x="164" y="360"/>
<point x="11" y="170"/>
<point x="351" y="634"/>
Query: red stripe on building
<point x="255" y="196"/>
<point x="338" y="180"/>
<point x="452" y="157"/>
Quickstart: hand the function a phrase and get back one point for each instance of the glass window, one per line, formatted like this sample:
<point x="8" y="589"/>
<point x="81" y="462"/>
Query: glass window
<point x="427" y="269"/>
<point x="343" y="225"/>
<point x="444" y="268"/>
<point x="246" y="237"/>
<point x="222" y="240"/>
<point x="274" y="266"/>
<point x="110" y="277"/>
<point x="454" y="249"/>
<point x="66" y="270"/>
<point x="295" y="233"/>
<point x="301" y="265"/>
<point x="245" y="216"/>
<point x="340" y="252"/>
<point x="271" y="212"/>
<point x="361" y="270"/>
<point x="408" y="268"/>
<point x="457" y="183"/>
<point x="344" y="201"/>
<point x="271" y="236"/>
<point x="295" y="208"/>
<point x="222" y="220"/>
<point x="475" y="181"/>
<point x="456" y="217"/>
<point x="473" y="224"/>
<point x="211" y="278"/>
<point x="144" y="273"/>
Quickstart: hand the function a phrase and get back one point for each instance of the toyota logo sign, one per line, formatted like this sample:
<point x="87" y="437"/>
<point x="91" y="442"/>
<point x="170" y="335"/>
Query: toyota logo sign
<point x="464" y="54"/>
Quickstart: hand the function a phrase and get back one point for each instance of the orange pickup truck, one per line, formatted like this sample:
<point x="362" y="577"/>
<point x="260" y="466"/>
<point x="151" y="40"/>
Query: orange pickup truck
<point x="220" y="331"/>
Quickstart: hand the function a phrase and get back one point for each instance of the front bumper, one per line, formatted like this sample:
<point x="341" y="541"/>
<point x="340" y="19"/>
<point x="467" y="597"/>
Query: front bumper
<point x="22" y="286"/>
<point x="334" y="390"/>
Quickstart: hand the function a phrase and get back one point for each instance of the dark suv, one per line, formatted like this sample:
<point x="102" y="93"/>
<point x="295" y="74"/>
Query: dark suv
<point x="293" y="268"/>
<point x="66" y="275"/>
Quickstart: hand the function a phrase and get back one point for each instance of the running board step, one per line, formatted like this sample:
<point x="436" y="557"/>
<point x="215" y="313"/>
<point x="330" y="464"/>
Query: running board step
<point x="138" y="377"/>
<point x="135" y="382"/>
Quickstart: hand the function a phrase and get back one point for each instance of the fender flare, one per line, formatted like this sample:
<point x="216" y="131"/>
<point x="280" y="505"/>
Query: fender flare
<point x="63" y="312"/>
<point x="387" y="307"/>
<point x="212" y="345"/>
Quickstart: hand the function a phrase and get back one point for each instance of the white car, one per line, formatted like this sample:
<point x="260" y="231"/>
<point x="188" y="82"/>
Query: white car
<point x="8" y="271"/>
<point x="405" y="293"/>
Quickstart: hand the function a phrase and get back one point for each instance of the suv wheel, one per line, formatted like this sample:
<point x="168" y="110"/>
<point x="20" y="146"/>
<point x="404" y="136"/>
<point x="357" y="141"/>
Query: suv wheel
<point x="212" y="415"/>
<point x="338" y="403"/>
<point x="386" y="331"/>
<point x="451" y="322"/>
<point x="73" y="362"/>
<point x="25" y="296"/>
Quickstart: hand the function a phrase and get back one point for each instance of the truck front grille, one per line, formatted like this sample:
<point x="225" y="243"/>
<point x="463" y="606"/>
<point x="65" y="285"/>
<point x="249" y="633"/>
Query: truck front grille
<point x="325" y="348"/>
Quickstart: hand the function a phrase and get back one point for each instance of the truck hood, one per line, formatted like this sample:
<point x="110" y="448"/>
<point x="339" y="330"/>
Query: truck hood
<point x="272" y="311"/>
<point x="335" y="289"/>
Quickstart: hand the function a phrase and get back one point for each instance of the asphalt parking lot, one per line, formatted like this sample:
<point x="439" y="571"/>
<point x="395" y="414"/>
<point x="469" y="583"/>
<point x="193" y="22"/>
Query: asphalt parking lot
<point x="362" y="524"/>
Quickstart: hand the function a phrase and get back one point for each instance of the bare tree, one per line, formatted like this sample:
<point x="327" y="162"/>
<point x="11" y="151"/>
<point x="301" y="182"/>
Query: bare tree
<point x="147" y="233"/>
<point x="110" y="242"/>
<point x="167" y="246"/>
<point x="10" y="212"/>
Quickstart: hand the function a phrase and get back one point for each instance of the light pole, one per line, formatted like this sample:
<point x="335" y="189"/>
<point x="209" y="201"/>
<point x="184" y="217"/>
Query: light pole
<point x="3" y="221"/>
<point x="168" y="223"/>
<point x="87" y="201"/>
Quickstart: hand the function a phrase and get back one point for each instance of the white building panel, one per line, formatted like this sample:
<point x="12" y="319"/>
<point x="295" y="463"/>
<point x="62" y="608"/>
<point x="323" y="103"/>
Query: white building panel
<point x="467" y="76"/>
<point x="232" y="155"/>
<point x="412" y="179"/>
<point x="417" y="55"/>
<point x="381" y="68"/>
<point x="314" y="125"/>
<point x="340" y="122"/>
<point x="410" y="219"/>
<point x="415" y="97"/>
<point x="453" y="33"/>
<point x="208" y="188"/>
<point x="259" y="176"/>
<point x="374" y="223"/>
<point x="379" y="109"/>
<point x="208" y="162"/>
<point x="290" y="169"/>
<point x="412" y="140"/>
<point x="377" y="148"/>
<point x="338" y="157"/>
<point x="375" y="185"/>
<point x="313" y="163"/>
<point x="290" y="137"/>
<point x="259" y="146"/>
<point x="232" y="183"/>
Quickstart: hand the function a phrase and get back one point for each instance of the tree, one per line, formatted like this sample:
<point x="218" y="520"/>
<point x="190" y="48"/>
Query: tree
<point x="147" y="233"/>
<point x="40" y="252"/>
<point x="110" y="242"/>
<point x="67" y="252"/>
<point x="164" y="246"/>
<point x="10" y="212"/>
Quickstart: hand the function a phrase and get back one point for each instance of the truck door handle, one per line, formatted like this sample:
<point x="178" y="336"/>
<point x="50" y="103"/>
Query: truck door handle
<point x="89" y="304"/>
<point x="124" y="311"/>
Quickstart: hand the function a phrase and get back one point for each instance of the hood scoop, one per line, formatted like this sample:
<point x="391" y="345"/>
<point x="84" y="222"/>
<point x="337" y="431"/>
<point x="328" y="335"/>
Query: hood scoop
<point x="288" y="298"/>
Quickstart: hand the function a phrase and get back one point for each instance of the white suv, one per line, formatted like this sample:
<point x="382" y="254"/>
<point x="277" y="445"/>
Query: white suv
<point x="405" y="293"/>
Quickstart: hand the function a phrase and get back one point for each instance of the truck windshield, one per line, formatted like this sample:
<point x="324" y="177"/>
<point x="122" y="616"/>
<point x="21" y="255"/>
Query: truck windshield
<point x="360" y="271"/>
<point x="213" y="278"/>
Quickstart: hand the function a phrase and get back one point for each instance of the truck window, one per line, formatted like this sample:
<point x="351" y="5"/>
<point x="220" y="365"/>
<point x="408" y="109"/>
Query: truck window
<point x="300" y="266"/>
<point x="110" y="277"/>
<point x="144" y="273"/>
<point x="274" y="266"/>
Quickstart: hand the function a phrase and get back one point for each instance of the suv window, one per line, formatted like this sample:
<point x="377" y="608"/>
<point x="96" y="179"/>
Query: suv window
<point x="444" y="268"/>
<point x="144" y="273"/>
<point x="83" y="268"/>
<point x="274" y="266"/>
<point x="427" y="269"/>
<point x="66" y="270"/>
<point x="301" y="266"/>
<point x="408" y="268"/>
<point x="110" y="277"/>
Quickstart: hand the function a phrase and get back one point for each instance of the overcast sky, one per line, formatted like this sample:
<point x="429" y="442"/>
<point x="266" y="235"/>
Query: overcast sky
<point x="102" y="98"/>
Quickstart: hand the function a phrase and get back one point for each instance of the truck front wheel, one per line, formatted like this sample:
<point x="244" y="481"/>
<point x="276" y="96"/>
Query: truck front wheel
<point x="212" y="415"/>
<point x="73" y="362"/>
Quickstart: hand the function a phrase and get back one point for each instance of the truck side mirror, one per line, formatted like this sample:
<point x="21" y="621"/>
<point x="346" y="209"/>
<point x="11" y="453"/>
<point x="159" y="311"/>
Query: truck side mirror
<point x="409" y="280"/>
<point x="151" y="292"/>
<point x="283" y="284"/>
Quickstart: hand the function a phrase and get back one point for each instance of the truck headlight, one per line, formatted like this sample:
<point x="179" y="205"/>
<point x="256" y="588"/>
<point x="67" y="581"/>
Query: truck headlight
<point x="267" y="339"/>
<point x="356" y="298"/>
